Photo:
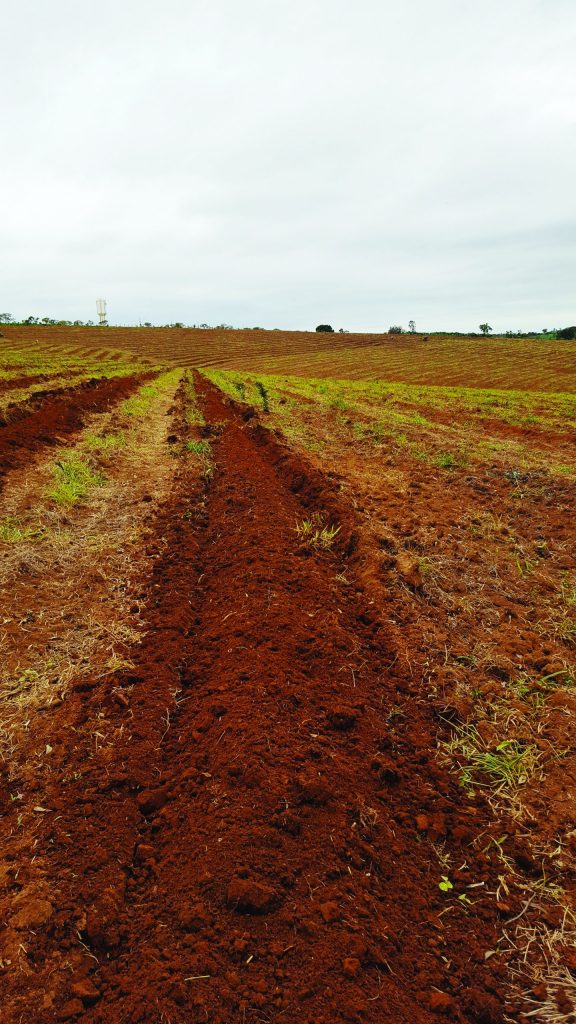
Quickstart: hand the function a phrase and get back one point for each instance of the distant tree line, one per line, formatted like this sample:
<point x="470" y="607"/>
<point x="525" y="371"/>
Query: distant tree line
<point x="564" y="333"/>
<point x="7" y="318"/>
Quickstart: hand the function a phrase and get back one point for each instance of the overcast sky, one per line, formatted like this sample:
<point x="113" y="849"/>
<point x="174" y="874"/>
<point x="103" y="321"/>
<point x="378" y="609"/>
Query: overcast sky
<point x="283" y="163"/>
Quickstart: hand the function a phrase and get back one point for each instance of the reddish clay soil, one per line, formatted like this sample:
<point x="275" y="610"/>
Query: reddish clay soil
<point x="48" y="415"/>
<point x="238" y="828"/>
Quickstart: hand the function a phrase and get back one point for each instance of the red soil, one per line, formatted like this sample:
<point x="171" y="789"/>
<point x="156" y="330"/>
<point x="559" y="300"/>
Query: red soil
<point x="249" y="838"/>
<point x="49" y="415"/>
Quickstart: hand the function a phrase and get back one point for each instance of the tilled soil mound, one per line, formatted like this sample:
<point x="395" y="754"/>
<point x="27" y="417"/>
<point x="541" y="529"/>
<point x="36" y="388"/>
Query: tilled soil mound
<point x="251" y="827"/>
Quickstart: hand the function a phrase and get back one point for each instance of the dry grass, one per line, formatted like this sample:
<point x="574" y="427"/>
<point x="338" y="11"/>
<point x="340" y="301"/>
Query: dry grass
<point x="66" y="572"/>
<point x="543" y="982"/>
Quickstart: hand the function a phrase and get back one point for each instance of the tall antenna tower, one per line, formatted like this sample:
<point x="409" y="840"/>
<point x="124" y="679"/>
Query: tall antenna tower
<point x="101" y="310"/>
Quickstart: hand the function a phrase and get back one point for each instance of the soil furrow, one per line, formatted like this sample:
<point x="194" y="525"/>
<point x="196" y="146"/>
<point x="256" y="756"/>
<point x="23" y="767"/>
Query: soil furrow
<point x="261" y="829"/>
<point x="53" y="414"/>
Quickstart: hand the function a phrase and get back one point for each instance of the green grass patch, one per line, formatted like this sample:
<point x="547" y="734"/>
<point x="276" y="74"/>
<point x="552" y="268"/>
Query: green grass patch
<point x="74" y="479"/>
<point x="103" y="443"/>
<point x="450" y="460"/>
<point x="503" y="768"/>
<point x="199" y="448"/>
<point x="12" y="531"/>
<point x="139" y="403"/>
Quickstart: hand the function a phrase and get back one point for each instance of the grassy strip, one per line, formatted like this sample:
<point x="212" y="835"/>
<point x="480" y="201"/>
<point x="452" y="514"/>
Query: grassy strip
<point x="518" y="407"/>
<point x="36" y="361"/>
<point x="139" y="404"/>
<point x="104" y="443"/>
<point x="197" y="446"/>
<point x="194" y="416"/>
<point x="60" y="551"/>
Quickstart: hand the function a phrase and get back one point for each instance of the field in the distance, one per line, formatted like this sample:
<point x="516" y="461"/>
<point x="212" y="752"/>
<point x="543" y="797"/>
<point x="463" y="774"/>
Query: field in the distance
<point x="523" y="364"/>
<point x="288" y="676"/>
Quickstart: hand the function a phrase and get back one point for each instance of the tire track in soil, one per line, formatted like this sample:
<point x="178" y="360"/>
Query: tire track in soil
<point x="247" y="850"/>
<point x="48" y="415"/>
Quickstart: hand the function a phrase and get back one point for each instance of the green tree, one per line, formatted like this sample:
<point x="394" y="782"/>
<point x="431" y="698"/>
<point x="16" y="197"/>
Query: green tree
<point x="326" y="328"/>
<point x="6" y="318"/>
<point x="485" y="328"/>
<point x="412" y="327"/>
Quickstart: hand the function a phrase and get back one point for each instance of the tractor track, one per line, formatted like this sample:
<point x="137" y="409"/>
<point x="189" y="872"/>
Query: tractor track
<point x="237" y="829"/>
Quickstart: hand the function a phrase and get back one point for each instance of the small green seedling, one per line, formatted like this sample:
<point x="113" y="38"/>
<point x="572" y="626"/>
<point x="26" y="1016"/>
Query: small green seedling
<point x="263" y="395"/>
<point x="445" y="884"/>
<point x="198" y="447"/>
<point x="315" y="532"/>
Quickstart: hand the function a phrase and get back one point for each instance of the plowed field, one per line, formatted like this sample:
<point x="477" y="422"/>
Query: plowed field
<point x="460" y="362"/>
<point x="286" y="707"/>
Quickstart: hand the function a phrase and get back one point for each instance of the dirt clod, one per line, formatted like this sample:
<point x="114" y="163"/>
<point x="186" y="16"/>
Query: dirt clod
<point x="351" y="966"/>
<point x="409" y="570"/>
<point x="250" y="897"/>
<point x="440" y="1002"/>
<point x="85" y="991"/>
<point x="330" y="911"/>
<point x="151" y="800"/>
<point x="32" y="913"/>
